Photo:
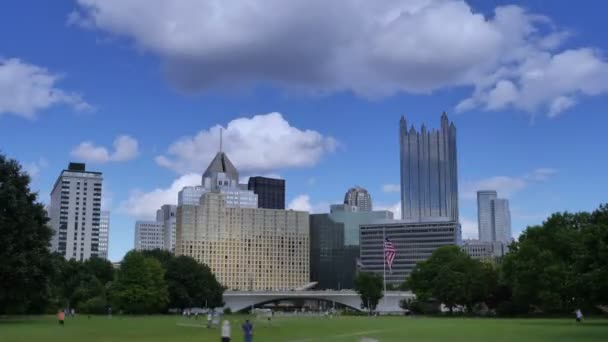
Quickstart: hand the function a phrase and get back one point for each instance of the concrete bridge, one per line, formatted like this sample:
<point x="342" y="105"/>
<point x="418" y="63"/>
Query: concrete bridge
<point x="241" y="300"/>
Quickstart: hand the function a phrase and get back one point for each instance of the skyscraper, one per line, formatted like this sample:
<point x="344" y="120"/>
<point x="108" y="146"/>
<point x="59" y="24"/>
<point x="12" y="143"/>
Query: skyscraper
<point x="104" y="234"/>
<point x="484" y="214"/>
<point x="358" y="197"/>
<point x="270" y="191"/>
<point x="166" y="215"/>
<point x="429" y="177"/>
<point x="75" y="212"/>
<point x="493" y="217"/>
<point x="149" y="235"/>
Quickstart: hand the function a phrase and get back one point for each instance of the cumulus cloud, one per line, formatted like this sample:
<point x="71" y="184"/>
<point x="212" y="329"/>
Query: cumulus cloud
<point x="506" y="186"/>
<point x="469" y="228"/>
<point x="390" y="188"/>
<point x="26" y="89"/>
<point x="34" y="168"/>
<point x="262" y="143"/>
<point x="304" y="203"/>
<point x="394" y="208"/>
<point x="511" y="58"/>
<point x="143" y="205"/>
<point x="125" y="148"/>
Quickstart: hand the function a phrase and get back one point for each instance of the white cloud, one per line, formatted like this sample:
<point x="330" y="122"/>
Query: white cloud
<point x="506" y="186"/>
<point x="390" y="188"/>
<point x="301" y="202"/>
<point x="143" y="205"/>
<point x="394" y="208"/>
<point x="34" y="168"/>
<point x="26" y="89"/>
<point x="125" y="148"/>
<point x="512" y="58"/>
<point x="469" y="228"/>
<point x="262" y="143"/>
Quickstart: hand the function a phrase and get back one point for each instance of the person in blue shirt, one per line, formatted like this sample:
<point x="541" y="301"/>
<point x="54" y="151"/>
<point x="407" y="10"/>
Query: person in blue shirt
<point x="248" y="331"/>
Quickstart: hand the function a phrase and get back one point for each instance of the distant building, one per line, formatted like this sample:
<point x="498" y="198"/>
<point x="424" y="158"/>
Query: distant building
<point x="75" y="213"/>
<point x="334" y="245"/>
<point x="270" y="191"/>
<point x="166" y="215"/>
<point x="358" y="197"/>
<point x="104" y="234"/>
<point x="493" y="217"/>
<point x="413" y="241"/>
<point x="429" y="173"/>
<point x="149" y="235"/>
<point x="484" y="250"/>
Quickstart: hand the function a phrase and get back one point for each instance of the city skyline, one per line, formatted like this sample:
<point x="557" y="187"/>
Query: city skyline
<point x="127" y="104"/>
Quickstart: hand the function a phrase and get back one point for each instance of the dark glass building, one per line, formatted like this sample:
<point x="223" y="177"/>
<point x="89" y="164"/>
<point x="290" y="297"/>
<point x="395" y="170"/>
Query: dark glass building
<point x="270" y="191"/>
<point x="332" y="263"/>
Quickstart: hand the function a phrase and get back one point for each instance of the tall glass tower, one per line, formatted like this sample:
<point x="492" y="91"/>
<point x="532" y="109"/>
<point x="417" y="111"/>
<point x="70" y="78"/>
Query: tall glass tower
<point x="429" y="177"/>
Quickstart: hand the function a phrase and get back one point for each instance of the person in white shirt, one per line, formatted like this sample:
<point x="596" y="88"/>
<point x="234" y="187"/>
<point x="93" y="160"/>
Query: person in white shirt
<point x="579" y="315"/>
<point x="209" y="318"/>
<point x="226" y="331"/>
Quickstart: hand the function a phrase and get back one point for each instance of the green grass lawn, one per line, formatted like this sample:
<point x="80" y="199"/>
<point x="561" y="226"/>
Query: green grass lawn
<point x="384" y="329"/>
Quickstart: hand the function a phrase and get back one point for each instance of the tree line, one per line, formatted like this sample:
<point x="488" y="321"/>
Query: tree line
<point x="34" y="280"/>
<point x="553" y="268"/>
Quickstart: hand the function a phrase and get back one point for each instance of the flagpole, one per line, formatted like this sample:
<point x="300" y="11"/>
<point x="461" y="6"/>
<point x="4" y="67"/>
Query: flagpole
<point x="384" y="257"/>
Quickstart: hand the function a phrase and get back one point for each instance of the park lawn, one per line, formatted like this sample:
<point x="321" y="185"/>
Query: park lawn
<point x="383" y="329"/>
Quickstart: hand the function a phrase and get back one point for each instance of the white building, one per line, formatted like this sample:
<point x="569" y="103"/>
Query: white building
<point x="484" y="250"/>
<point x="149" y="235"/>
<point x="493" y="217"/>
<point x="104" y="234"/>
<point x="75" y="213"/>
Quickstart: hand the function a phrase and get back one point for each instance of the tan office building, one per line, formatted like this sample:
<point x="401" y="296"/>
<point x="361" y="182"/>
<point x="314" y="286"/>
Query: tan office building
<point x="246" y="248"/>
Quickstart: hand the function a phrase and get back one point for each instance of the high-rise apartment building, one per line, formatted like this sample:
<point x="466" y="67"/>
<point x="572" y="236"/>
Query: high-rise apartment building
<point x="75" y="212"/>
<point x="149" y="235"/>
<point x="493" y="217"/>
<point x="270" y="191"/>
<point x="358" y="197"/>
<point x="246" y="247"/>
<point x="166" y="215"/>
<point x="429" y="177"/>
<point x="104" y="234"/>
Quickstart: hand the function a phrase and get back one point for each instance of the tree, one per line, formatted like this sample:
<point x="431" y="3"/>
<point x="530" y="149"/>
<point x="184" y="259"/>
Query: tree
<point x="369" y="287"/>
<point x="140" y="285"/>
<point x="192" y="284"/>
<point x="25" y="260"/>
<point x="453" y="278"/>
<point x="163" y="256"/>
<point x="101" y="269"/>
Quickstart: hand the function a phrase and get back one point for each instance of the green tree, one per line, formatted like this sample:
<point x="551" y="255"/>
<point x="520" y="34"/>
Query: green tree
<point x="192" y="284"/>
<point x="25" y="260"/>
<point x="140" y="286"/>
<point x="164" y="257"/>
<point x="101" y="269"/>
<point x="369" y="286"/>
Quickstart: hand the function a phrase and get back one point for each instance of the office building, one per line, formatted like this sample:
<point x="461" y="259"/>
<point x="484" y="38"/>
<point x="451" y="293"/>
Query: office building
<point x="246" y="247"/>
<point x="334" y="245"/>
<point x="270" y="191"/>
<point x="149" y="235"/>
<point x="104" y="234"/>
<point x="358" y="197"/>
<point x="75" y="212"/>
<point x="429" y="177"/>
<point x="413" y="241"/>
<point x="493" y="217"/>
<point x="166" y="215"/>
<point x="484" y="250"/>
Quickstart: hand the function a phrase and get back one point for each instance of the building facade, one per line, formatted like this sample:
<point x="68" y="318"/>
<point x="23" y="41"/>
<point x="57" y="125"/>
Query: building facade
<point x="75" y="212"/>
<point x="358" y="197"/>
<point x="246" y="248"/>
<point x="166" y="215"/>
<point x="484" y="250"/>
<point x="429" y="177"/>
<point x="413" y="241"/>
<point x="149" y="235"/>
<point x="493" y="217"/>
<point x="270" y="192"/>
<point x="104" y="234"/>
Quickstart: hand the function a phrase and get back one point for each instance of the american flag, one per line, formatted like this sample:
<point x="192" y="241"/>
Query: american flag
<point x="389" y="253"/>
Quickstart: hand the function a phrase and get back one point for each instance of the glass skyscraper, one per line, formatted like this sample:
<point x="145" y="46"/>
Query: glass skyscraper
<point x="429" y="177"/>
<point x="493" y="217"/>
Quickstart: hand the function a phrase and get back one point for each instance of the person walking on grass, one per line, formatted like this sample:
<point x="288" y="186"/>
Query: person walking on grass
<point x="61" y="317"/>
<point x="248" y="331"/>
<point x="209" y="319"/>
<point x="579" y="315"/>
<point x="226" y="331"/>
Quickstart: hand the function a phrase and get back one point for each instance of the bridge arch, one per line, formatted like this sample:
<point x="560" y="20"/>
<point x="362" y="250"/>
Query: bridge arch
<point x="277" y="299"/>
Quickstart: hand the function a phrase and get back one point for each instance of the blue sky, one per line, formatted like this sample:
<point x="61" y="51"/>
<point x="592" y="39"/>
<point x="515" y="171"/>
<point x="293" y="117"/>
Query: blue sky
<point x="139" y="89"/>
